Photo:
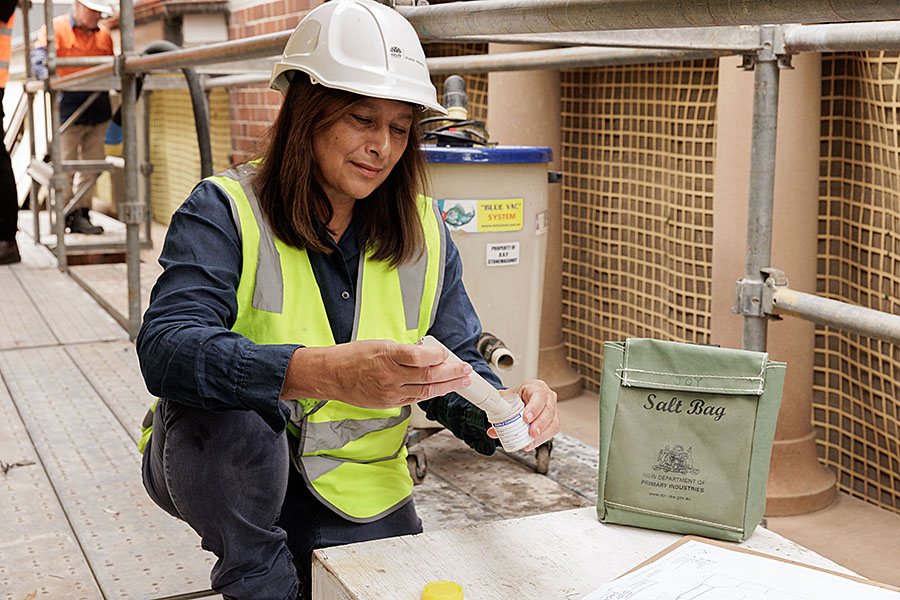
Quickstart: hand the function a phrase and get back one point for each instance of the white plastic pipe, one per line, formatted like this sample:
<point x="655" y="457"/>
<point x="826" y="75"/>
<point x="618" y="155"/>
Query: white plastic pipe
<point x="495" y="353"/>
<point x="505" y="414"/>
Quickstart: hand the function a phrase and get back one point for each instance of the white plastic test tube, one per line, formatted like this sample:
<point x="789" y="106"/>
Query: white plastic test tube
<point x="505" y="414"/>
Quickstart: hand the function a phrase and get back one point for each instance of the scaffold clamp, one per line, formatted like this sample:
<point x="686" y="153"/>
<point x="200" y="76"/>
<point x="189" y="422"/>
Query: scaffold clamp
<point x="754" y="297"/>
<point x="775" y="278"/>
<point x="133" y="212"/>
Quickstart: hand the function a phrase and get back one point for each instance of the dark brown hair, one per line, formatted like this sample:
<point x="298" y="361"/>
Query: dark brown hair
<point x="294" y="203"/>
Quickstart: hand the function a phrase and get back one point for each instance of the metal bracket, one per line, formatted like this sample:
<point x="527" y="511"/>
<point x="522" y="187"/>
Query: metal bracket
<point x="747" y="298"/>
<point x="772" y="48"/>
<point x="133" y="213"/>
<point x="119" y="65"/>
<point x="748" y="62"/>
<point x="754" y="297"/>
<point x="775" y="279"/>
<point x="58" y="181"/>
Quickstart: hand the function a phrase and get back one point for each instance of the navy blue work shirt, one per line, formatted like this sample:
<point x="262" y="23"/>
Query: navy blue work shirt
<point x="189" y="354"/>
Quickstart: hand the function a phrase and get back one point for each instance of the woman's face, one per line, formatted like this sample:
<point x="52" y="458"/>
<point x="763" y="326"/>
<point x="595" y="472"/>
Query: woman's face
<point x="356" y="153"/>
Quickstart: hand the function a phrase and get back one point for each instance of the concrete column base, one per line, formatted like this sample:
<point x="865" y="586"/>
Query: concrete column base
<point x="555" y="370"/>
<point x="798" y="482"/>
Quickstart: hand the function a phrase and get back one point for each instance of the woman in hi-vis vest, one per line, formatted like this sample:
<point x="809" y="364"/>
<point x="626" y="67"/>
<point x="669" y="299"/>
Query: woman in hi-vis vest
<point x="280" y="338"/>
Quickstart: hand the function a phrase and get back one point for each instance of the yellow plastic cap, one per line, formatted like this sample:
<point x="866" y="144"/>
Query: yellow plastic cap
<point x="442" y="590"/>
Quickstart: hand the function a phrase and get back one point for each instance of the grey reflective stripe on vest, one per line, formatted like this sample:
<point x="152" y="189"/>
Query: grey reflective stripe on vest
<point x="5" y="30"/>
<point x="412" y="282"/>
<point x="440" y="282"/>
<point x="268" y="289"/>
<point x="412" y="287"/>
<point x="334" y="435"/>
<point x="4" y="65"/>
<point x="316" y="466"/>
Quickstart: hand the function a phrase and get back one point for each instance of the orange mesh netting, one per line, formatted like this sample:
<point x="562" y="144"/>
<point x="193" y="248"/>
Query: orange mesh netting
<point x="638" y="151"/>
<point x="857" y="396"/>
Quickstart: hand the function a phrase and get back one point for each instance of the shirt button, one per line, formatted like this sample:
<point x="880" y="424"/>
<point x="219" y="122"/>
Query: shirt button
<point x="345" y="295"/>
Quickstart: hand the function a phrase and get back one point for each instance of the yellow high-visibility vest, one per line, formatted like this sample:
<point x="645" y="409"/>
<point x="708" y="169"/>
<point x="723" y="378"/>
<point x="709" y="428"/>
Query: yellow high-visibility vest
<point x="353" y="459"/>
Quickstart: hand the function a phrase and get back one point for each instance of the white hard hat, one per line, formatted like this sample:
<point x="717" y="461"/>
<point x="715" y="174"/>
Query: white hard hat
<point x="104" y="7"/>
<point x="358" y="46"/>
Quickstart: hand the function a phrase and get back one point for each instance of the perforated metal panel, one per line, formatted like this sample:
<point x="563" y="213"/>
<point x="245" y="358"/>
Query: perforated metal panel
<point x="856" y="408"/>
<point x="21" y="325"/>
<point x="112" y="369"/>
<point x="135" y="549"/>
<point x="638" y="146"/>
<point x="68" y="310"/>
<point x="38" y="550"/>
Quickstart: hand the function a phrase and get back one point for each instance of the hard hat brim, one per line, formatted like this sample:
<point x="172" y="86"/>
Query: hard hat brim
<point x="103" y="8"/>
<point x="281" y="78"/>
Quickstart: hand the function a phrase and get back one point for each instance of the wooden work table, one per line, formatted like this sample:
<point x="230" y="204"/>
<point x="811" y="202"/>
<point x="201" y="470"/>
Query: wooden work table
<point x="556" y="556"/>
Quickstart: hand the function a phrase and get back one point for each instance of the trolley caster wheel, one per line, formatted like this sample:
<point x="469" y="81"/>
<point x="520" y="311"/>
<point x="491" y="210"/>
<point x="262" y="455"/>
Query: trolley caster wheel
<point x="542" y="457"/>
<point x="418" y="466"/>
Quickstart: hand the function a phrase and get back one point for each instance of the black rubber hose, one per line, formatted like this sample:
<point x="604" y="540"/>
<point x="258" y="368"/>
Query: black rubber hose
<point x="198" y="100"/>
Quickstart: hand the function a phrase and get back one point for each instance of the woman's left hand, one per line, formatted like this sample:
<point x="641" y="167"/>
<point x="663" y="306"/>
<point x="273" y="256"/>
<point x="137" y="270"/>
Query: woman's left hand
<point x="540" y="411"/>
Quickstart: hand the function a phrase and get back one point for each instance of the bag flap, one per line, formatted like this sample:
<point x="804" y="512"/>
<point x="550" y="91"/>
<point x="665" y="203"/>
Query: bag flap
<point x="664" y="365"/>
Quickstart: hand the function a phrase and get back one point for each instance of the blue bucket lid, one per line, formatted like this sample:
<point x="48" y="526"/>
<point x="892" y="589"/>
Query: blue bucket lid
<point x="486" y="154"/>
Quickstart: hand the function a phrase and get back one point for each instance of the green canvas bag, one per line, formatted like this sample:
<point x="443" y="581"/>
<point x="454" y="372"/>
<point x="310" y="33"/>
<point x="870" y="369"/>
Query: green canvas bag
<point x="686" y="435"/>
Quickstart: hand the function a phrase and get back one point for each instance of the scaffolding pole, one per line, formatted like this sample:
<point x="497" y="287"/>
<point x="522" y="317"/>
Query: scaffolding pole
<point x="57" y="179"/>
<point x="687" y="38"/>
<point x="833" y="313"/>
<point x="133" y="209"/>
<point x="34" y="192"/>
<point x="762" y="195"/>
<point x="260" y="46"/>
<point x="842" y="37"/>
<point x="487" y="17"/>
<point x="560" y="58"/>
<point x="864" y="36"/>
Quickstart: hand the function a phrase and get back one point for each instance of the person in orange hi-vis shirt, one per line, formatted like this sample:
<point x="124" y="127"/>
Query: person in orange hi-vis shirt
<point x="9" y="203"/>
<point x="79" y="33"/>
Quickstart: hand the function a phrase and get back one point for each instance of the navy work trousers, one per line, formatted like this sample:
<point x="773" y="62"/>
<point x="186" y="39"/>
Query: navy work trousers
<point x="229" y="476"/>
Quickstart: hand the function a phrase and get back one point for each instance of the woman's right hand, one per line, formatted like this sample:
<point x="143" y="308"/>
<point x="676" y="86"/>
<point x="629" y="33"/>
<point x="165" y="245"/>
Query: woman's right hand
<point x="373" y="374"/>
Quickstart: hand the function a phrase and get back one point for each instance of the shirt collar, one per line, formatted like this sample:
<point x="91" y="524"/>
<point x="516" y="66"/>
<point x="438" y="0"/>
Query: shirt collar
<point x="73" y="24"/>
<point x="349" y="244"/>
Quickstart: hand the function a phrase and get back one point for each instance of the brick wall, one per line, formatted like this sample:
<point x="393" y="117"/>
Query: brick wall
<point x="253" y="108"/>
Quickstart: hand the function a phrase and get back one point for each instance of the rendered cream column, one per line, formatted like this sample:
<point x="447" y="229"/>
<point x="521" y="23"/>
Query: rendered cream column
<point x="798" y="483"/>
<point x="524" y="109"/>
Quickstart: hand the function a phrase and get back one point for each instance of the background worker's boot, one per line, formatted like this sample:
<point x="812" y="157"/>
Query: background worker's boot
<point x="79" y="221"/>
<point x="9" y="252"/>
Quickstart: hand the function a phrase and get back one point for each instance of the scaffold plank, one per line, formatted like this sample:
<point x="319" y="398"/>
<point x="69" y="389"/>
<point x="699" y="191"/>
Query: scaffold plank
<point x="21" y="324"/>
<point x="38" y="551"/>
<point x="34" y="256"/>
<point x="134" y="549"/>
<point x="113" y="370"/>
<point x="70" y="312"/>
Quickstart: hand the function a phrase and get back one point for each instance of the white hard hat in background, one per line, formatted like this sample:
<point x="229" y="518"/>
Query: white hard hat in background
<point x="358" y="46"/>
<point x="104" y="7"/>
